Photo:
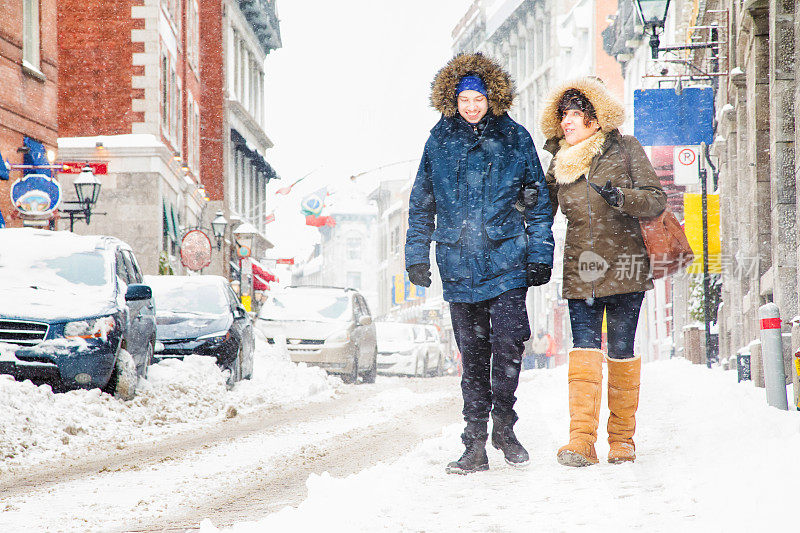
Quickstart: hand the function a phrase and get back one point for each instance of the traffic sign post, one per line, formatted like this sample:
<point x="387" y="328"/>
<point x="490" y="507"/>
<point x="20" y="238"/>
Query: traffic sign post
<point x="685" y="164"/>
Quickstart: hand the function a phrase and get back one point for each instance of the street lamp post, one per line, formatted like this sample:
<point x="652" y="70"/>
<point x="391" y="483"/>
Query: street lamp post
<point x="218" y="227"/>
<point x="654" y="14"/>
<point x="87" y="189"/>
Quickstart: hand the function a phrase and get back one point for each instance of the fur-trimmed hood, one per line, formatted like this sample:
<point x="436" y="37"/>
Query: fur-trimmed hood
<point x="498" y="83"/>
<point x="610" y="111"/>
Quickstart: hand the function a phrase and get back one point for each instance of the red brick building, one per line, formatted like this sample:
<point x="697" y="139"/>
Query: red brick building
<point x="130" y="93"/>
<point x="28" y="86"/>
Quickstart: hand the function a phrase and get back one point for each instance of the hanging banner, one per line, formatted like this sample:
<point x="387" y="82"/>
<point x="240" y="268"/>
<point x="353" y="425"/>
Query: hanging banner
<point x="693" y="226"/>
<point x="661" y="117"/>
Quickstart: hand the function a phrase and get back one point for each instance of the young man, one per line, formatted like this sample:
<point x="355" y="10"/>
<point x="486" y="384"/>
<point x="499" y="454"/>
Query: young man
<point x="480" y="193"/>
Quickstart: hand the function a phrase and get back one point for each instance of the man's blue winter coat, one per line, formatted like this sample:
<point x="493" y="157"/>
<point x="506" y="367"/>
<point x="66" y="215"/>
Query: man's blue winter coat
<point x="463" y="199"/>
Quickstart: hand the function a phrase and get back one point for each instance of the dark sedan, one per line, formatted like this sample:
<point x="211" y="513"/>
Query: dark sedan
<point x="201" y="315"/>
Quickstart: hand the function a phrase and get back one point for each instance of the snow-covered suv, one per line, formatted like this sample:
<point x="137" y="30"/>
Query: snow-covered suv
<point x="74" y="312"/>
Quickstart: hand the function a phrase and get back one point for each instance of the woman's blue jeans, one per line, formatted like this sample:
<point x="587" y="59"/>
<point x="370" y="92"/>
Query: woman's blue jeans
<point x="622" y="315"/>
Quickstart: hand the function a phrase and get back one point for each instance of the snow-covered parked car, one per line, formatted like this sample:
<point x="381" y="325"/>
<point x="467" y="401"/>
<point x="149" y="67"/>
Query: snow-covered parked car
<point x="401" y="348"/>
<point x="74" y="311"/>
<point x="201" y="315"/>
<point x="329" y="327"/>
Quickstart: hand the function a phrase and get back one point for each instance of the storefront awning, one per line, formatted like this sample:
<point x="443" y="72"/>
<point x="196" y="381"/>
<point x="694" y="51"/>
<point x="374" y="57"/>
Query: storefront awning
<point x="170" y="221"/>
<point x="258" y="160"/>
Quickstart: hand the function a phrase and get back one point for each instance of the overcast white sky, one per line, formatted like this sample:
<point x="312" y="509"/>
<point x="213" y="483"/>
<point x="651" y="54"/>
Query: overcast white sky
<point x="349" y="91"/>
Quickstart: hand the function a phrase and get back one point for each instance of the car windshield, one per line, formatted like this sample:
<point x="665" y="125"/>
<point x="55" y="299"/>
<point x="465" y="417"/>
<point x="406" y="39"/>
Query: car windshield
<point x="186" y="297"/>
<point x="393" y="334"/>
<point x="326" y="306"/>
<point x="58" y="269"/>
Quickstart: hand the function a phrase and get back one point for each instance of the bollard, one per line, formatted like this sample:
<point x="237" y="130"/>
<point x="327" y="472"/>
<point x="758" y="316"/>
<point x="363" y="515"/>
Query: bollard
<point x="796" y="376"/>
<point x="772" y="354"/>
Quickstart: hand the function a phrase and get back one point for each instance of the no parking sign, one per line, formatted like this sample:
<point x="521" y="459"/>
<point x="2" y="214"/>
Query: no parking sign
<point x="686" y="165"/>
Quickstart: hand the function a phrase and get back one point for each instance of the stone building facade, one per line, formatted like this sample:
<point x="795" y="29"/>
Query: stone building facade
<point x="28" y="87"/>
<point x="757" y="160"/>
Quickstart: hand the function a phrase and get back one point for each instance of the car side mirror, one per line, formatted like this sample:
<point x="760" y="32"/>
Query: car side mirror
<point x="365" y="320"/>
<point x="137" y="291"/>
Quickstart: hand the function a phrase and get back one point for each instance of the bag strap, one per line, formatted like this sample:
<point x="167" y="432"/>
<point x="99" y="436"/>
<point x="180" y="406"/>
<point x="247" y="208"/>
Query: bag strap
<point x="626" y="157"/>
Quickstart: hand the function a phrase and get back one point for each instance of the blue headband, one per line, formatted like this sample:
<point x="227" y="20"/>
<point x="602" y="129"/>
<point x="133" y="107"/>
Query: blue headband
<point x="472" y="83"/>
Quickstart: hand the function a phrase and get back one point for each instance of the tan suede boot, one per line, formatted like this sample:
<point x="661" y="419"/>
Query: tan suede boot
<point x="585" y="380"/>
<point x="623" y="401"/>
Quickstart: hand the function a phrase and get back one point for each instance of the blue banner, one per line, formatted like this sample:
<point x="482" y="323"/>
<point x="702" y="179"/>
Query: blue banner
<point x="664" y="118"/>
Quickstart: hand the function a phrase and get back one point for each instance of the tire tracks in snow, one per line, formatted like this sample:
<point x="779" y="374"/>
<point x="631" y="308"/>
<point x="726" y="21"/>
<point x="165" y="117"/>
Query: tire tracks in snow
<point x="270" y="482"/>
<point x="285" y="482"/>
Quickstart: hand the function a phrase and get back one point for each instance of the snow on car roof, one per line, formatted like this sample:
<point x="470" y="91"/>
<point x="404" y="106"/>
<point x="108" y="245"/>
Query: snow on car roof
<point x="55" y="274"/>
<point x="57" y="242"/>
<point x="177" y="281"/>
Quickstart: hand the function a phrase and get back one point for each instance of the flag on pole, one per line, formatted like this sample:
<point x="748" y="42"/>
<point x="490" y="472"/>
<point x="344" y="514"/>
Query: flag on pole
<point x="270" y="217"/>
<point x="314" y="202"/>
<point x="287" y="190"/>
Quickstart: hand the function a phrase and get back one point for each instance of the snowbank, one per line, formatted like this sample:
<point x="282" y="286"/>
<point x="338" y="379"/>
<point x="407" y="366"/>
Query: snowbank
<point x="37" y="425"/>
<point x="712" y="456"/>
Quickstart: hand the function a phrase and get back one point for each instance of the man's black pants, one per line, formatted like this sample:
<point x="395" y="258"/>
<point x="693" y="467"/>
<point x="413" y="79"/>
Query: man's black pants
<point x="490" y="336"/>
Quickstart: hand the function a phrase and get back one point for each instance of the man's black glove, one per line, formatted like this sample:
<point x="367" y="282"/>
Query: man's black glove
<point x="527" y="198"/>
<point x="537" y="274"/>
<point x="612" y="195"/>
<point x="420" y="275"/>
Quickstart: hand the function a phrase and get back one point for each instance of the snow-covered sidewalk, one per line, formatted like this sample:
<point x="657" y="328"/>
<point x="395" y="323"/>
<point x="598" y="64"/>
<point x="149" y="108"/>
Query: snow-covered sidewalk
<point x="711" y="456"/>
<point x="37" y="425"/>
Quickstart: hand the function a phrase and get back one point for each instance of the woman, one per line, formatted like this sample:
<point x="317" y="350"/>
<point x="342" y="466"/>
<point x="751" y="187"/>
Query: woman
<point x="603" y="182"/>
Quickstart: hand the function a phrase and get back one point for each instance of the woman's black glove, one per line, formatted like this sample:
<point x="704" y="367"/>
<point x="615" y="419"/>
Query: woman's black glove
<point x="537" y="274"/>
<point x="612" y="195"/>
<point x="420" y="275"/>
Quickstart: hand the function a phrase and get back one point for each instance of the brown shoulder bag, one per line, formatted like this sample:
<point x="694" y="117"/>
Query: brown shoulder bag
<point x="664" y="238"/>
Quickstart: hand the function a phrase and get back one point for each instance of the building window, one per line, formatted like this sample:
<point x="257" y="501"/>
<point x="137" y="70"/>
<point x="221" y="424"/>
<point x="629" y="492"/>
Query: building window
<point x="396" y="240"/>
<point x="354" y="280"/>
<point x="193" y="134"/>
<point x="173" y="9"/>
<point x="31" y="37"/>
<point x="354" y="248"/>
<point x="193" y="35"/>
<point x="164" y="93"/>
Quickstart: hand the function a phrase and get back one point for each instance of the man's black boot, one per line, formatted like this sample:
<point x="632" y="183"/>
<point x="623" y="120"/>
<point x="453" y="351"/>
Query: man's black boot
<point x="474" y="458"/>
<point x="503" y="439"/>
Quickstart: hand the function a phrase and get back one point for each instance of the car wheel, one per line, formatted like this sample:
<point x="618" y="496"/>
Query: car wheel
<point x="148" y="359"/>
<point x="124" y="377"/>
<point x="249" y="366"/>
<point x="235" y="370"/>
<point x="369" y="375"/>
<point x="352" y="377"/>
<point x="422" y="370"/>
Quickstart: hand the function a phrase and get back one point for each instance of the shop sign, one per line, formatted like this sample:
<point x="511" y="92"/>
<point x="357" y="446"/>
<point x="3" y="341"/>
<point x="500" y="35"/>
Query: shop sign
<point x="35" y="194"/>
<point x="195" y="250"/>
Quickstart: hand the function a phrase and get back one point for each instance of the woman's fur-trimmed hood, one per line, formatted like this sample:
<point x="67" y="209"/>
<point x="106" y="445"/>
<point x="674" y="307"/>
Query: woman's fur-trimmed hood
<point x="610" y="111"/>
<point x="498" y="83"/>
